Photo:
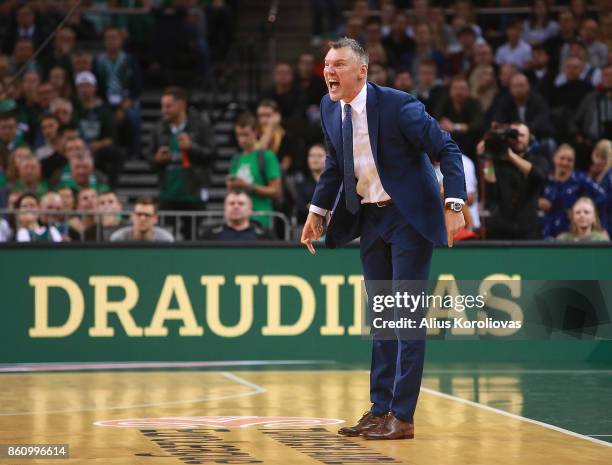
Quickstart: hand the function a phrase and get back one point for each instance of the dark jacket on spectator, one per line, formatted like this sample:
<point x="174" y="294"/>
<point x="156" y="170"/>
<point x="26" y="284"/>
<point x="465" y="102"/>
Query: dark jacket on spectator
<point x="537" y="114"/>
<point x="593" y="119"/>
<point x="198" y="163"/>
<point x="224" y="232"/>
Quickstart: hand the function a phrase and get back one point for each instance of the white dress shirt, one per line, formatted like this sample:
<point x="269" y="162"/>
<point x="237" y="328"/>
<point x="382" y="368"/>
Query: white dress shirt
<point x="368" y="186"/>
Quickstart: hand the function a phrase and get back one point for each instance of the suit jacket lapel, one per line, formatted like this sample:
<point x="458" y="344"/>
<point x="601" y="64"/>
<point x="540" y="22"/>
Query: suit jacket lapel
<point x="335" y="129"/>
<point x="373" y="116"/>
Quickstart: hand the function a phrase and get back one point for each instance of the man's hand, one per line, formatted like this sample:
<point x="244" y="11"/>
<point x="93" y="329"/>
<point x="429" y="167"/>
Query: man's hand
<point x="184" y="141"/>
<point x="446" y="124"/>
<point x="313" y="230"/>
<point x="544" y="204"/>
<point x="454" y="222"/>
<point x="162" y="155"/>
<point x="237" y="183"/>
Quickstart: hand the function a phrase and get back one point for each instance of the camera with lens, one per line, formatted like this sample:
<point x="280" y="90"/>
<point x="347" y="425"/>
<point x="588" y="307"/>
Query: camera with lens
<point x="498" y="141"/>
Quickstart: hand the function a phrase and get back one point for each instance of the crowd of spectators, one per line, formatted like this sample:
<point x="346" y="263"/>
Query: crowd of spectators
<point x="527" y="97"/>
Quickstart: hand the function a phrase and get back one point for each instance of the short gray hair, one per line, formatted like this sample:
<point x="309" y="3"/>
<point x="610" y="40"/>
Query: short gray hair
<point x="346" y="42"/>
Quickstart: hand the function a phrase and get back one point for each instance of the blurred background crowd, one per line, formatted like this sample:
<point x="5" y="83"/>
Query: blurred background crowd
<point x="199" y="120"/>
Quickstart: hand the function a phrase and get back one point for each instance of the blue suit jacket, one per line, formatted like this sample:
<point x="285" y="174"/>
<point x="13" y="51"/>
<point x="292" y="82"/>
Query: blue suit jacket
<point x="401" y="134"/>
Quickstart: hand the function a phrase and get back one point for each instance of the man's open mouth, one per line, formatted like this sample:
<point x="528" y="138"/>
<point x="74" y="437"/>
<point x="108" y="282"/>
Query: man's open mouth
<point x="333" y="84"/>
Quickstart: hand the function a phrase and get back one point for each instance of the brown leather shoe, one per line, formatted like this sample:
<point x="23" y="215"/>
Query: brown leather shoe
<point x="391" y="428"/>
<point x="367" y="422"/>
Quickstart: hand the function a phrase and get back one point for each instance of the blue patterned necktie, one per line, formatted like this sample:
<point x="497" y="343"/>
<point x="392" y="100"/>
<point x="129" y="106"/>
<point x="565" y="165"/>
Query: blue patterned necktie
<point x="350" y="188"/>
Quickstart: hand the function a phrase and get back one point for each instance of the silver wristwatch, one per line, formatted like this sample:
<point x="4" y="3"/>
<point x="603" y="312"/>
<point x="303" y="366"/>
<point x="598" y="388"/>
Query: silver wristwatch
<point x="454" y="206"/>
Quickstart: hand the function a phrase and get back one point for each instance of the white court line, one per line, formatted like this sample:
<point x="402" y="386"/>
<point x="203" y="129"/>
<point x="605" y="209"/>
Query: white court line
<point x="468" y="371"/>
<point x="516" y="417"/>
<point x="256" y="389"/>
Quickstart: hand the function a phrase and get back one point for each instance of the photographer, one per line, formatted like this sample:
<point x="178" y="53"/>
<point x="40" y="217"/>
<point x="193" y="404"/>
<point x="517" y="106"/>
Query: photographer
<point x="514" y="177"/>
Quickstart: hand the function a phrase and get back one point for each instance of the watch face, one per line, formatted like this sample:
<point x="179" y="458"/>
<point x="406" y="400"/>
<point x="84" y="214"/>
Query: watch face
<point x="455" y="206"/>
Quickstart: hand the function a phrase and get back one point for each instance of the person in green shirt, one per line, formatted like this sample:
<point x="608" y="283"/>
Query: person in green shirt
<point x="29" y="176"/>
<point x="82" y="174"/>
<point x="254" y="170"/>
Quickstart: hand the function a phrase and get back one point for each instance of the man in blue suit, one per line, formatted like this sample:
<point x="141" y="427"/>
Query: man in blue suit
<point x="379" y="185"/>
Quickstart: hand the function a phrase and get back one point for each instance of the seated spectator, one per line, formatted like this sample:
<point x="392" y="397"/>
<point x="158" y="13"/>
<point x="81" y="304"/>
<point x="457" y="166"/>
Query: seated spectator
<point x="584" y="223"/>
<point x="287" y="93"/>
<point x="597" y="51"/>
<point x="443" y="33"/>
<point x="403" y="81"/>
<point x="540" y="74"/>
<point x="11" y="136"/>
<point x="565" y="99"/>
<point x="60" y="80"/>
<point x="540" y="26"/>
<point x="461" y="116"/>
<point x="49" y="127"/>
<point x="63" y="110"/>
<point x="378" y="74"/>
<point x="312" y="85"/>
<point x="515" y="51"/>
<point x="565" y="35"/>
<point x="237" y="226"/>
<point x="288" y="147"/>
<point x="28" y="107"/>
<point x="82" y="61"/>
<point x="23" y="57"/>
<point x="96" y="126"/>
<point x="588" y="73"/>
<point x="601" y="173"/>
<point x="354" y="29"/>
<point x="483" y="85"/>
<point x="68" y="198"/>
<point x="29" y="176"/>
<point x="562" y="190"/>
<point x="86" y="201"/>
<point x="513" y="182"/>
<point x="107" y="223"/>
<point x="6" y="234"/>
<point x="429" y="88"/>
<point x="49" y="202"/>
<point x="424" y="48"/>
<point x="398" y="45"/>
<point x="144" y="219"/>
<point x="122" y="84"/>
<point x="28" y="227"/>
<point x="521" y="104"/>
<point x="184" y="151"/>
<point x="46" y="94"/>
<point x="63" y="44"/>
<point x="305" y="185"/>
<point x="593" y="118"/>
<point x="461" y="59"/>
<point x="82" y="174"/>
<point x="25" y="26"/>
<point x="464" y="11"/>
<point x="256" y="171"/>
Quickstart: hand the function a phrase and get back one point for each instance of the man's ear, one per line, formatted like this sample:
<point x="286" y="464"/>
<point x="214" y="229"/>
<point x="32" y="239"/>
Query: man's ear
<point x="364" y="71"/>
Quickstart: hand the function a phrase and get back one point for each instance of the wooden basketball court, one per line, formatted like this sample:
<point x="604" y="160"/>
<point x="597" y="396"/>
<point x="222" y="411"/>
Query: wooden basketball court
<point x="465" y="416"/>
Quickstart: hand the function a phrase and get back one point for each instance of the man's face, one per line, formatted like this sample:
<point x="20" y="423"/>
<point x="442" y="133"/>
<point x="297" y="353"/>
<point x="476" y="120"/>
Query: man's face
<point x="540" y="58"/>
<point x="344" y="73"/>
<point x="519" y="87"/>
<point x="80" y="168"/>
<point x="67" y="196"/>
<point x="86" y="91"/>
<point x="46" y="93"/>
<point x="87" y="200"/>
<point x="144" y="218"/>
<point x="30" y="83"/>
<point x="82" y="62"/>
<point x="171" y="108"/>
<point x="378" y="74"/>
<point x="246" y="137"/>
<point x="24" y="49"/>
<point x="459" y="91"/>
<point x="588" y="31"/>
<point x="264" y="114"/>
<point x="237" y="207"/>
<point x="306" y="64"/>
<point x="108" y="202"/>
<point x="513" y="34"/>
<point x="316" y="159"/>
<point x="29" y="169"/>
<point x="283" y="75"/>
<point x="403" y="81"/>
<point x="483" y="55"/>
<point x="572" y="68"/>
<point x="8" y="130"/>
<point x="564" y="160"/>
<point x="63" y="113"/>
<point x="422" y="35"/>
<point x="49" y="128"/>
<point x="75" y="148"/>
<point x="373" y="34"/>
<point x="112" y="40"/>
<point x="427" y="75"/>
<point x="51" y="202"/>
<point x="566" y="23"/>
<point x="28" y="211"/>
<point x="521" y="143"/>
<point x="399" y="25"/>
<point x="25" y="17"/>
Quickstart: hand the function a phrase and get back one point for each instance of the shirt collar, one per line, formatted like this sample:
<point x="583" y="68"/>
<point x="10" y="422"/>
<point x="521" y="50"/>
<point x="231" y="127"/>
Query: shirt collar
<point x="359" y="102"/>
